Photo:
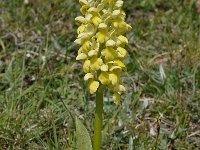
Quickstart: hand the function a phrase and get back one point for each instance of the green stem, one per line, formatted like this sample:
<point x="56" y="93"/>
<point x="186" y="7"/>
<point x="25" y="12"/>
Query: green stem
<point x="98" y="119"/>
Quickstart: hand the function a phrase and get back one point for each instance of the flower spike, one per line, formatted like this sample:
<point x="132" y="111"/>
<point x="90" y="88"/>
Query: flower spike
<point x="101" y="40"/>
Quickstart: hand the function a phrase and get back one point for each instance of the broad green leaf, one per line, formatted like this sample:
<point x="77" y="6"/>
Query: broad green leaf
<point x="82" y="136"/>
<point x="130" y="145"/>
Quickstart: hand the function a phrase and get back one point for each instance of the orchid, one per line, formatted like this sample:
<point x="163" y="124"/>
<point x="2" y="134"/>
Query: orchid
<point x="102" y="41"/>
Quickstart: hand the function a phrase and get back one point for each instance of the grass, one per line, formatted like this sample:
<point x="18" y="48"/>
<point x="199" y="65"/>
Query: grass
<point x="42" y="87"/>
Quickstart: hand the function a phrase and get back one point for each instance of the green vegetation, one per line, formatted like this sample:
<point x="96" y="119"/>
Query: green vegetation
<point x="42" y="88"/>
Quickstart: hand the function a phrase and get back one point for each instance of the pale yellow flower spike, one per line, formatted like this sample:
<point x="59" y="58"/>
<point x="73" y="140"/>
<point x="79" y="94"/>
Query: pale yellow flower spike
<point x="102" y="42"/>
